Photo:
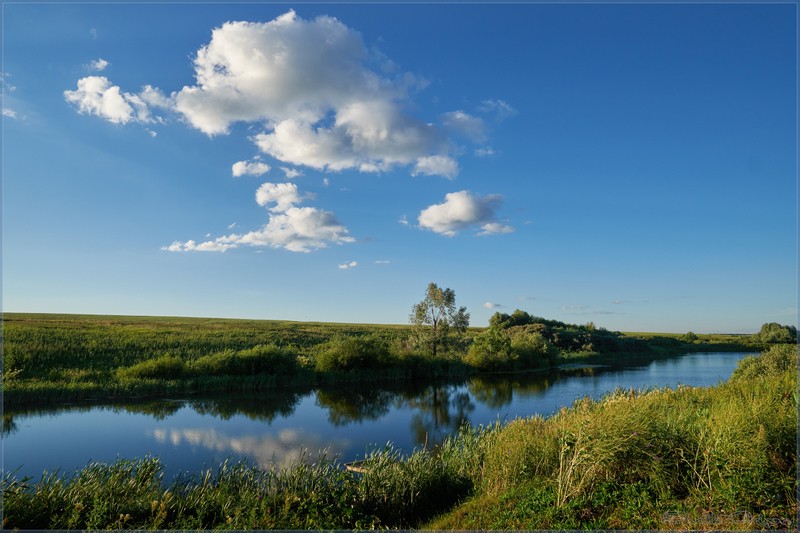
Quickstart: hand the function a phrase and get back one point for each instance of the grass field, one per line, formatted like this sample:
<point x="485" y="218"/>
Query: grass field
<point x="50" y="358"/>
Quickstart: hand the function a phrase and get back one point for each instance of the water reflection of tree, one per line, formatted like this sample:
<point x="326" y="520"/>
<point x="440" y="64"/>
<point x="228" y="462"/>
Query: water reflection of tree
<point x="441" y="411"/>
<point x="9" y="425"/>
<point x="499" y="390"/>
<point x="158" y="409"/>
<point x="261" y="407"/>
<point x="346" y="406"/>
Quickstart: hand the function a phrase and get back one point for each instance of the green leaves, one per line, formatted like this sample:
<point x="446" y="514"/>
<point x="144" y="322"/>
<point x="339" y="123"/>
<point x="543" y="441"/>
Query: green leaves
<point x="435" y="316"/>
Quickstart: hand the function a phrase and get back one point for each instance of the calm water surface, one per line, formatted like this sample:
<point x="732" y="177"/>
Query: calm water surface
<point x="190" y="434"/>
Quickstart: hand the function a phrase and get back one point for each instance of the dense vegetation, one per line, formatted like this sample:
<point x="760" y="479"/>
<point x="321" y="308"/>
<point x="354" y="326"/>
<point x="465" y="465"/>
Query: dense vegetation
<point x="691" y="458"/>
<point x="50" y="358"/>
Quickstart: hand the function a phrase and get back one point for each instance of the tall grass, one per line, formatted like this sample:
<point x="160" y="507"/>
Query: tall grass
<point x="723" y="457"/>
<point x="394" y="491"/>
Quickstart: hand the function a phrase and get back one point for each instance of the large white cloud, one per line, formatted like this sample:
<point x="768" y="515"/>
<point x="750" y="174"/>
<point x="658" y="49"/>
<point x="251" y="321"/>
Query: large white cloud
<point x="461" y="210"/>
<point x="324" y="98"/>
<point x="285" y="68"/>
<point x="318" y="90"/>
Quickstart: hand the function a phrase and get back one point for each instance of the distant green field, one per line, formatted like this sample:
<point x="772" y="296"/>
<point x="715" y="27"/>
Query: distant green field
<point x="56" y="357"/>
<point x="53" y="357"/>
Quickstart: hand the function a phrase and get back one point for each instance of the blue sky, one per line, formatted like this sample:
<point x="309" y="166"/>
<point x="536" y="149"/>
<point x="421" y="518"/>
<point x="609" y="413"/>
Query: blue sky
<point x="633" y="165"/>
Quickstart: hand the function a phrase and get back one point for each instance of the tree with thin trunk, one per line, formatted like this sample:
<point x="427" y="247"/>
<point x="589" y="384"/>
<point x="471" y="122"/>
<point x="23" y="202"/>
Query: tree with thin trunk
<point x="436" y="317"/>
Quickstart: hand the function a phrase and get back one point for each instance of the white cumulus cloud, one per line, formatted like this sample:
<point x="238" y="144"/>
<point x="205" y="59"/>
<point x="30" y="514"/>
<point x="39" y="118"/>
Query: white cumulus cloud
<point x="96" y="95"/>
<point x="347" y="266"/>
<point x="297" y="229"/>
<point x="10" y="113"/>
<point x="284" y="195"/>
<point x="252" y="168"/>
<point x="462" y="210"/>
<point x="324" y="99"/>
<point x="491" y="305"/>
<point x="323" y="95"/>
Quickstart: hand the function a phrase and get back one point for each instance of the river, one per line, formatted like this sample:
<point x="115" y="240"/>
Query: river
<point x="190" y="434"/>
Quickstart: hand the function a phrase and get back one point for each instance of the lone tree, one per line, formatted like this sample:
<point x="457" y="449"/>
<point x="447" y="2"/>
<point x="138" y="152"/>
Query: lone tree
<point x="436" y="316"/>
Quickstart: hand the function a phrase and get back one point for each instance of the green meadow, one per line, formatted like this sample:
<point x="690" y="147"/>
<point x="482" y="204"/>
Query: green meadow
<point x="53" y="358"/>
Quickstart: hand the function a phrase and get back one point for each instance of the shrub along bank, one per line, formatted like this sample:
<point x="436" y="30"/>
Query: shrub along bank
<point x="689" y="458"/>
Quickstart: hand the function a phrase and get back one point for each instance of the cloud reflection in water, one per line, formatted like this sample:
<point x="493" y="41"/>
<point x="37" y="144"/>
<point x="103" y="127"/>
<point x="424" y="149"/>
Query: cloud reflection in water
<point x="265" y="450"/>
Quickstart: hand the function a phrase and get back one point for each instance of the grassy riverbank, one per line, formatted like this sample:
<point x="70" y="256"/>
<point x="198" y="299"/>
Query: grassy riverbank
<point x="693" y="458"/>
<point x="56" y="358"/>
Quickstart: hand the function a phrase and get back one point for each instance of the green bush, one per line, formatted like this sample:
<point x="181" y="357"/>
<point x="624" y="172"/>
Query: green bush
<point x="262" y="359"/>
<point x="773" y="361"/>
<point x="163" y="367"/>
<point x="491" y="350"/>
<point x="773" y="332"/>
<point x="532" y="349"/>
<point x="344" y="353"/>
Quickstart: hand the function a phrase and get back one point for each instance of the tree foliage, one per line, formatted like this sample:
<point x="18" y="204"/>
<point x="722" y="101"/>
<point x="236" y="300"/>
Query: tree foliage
<point x="772" y="333"/>
<point x="436" y="318"/>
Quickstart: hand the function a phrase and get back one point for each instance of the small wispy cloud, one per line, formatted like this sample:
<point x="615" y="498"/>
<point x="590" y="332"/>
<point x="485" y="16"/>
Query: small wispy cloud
<point x="382" y="262"/>
<point x="291" y="173"/>
<point x="10" y="113"/>
<point x="403" y="220"/>
<point x="6" y="85"/>
<point x="494" y="228"/>
<point x="250" y="168"/>
<point x="498" y="108"/>
<point x="98" y="65"/>
<point x="619" y="302"/>
<point x="436" y="165"/>
<point x="464" y="124"/>
<point x="486" y="151"/>
<point x="349" y="265"/>
<point x="491" y="305"/>
<point x="232" y="225"/>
